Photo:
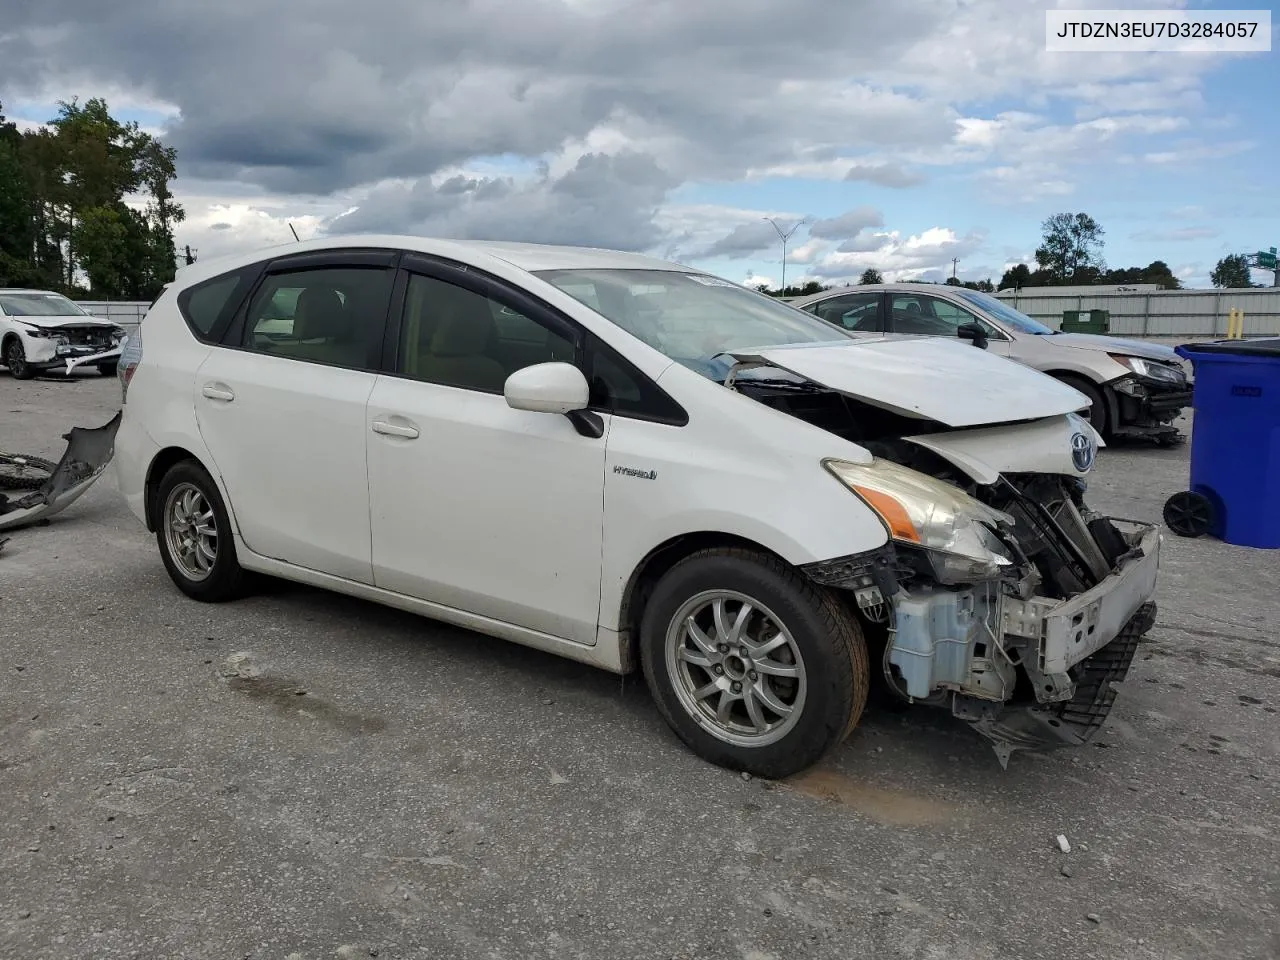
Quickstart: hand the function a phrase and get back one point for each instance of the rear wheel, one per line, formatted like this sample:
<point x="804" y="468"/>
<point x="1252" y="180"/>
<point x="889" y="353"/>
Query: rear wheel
<point x="15" y="358"/>
<point x="753" y="666"/>
<point x="194" y="535"/>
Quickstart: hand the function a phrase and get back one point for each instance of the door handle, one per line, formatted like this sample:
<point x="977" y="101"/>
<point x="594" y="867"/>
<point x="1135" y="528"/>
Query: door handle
<point x="386" y="428"/>
<point x="217" y="391"/>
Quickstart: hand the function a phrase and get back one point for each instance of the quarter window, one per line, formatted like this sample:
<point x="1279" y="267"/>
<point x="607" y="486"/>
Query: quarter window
<point x="330" y="315"/>
<point x="460" y="338"/>
<point x="207" y="307"/>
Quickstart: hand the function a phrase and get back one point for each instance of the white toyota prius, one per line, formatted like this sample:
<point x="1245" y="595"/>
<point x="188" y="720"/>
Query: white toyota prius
<point x="637" y="465"/>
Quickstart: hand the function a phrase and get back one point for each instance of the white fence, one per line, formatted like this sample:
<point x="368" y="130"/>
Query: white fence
<point x="1163" y="314"/>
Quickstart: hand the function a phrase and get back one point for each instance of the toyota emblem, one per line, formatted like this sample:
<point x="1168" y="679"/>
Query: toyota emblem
<point x="1082" y="452"/>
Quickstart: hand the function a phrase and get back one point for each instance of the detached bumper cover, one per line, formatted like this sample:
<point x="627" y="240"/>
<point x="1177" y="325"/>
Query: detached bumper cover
<point x="86" y="457"/>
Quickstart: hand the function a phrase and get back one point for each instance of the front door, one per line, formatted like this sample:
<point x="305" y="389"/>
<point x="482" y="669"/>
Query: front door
<point x="282" y="411"/>
<point x="923" y="315"/>
<point x="474" y="505"/>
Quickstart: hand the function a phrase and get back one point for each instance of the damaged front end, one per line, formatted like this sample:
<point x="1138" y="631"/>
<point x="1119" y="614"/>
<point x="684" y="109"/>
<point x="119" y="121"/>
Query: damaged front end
<point x="1026" y="651"/>
<point x="1000" y="596"/>
<point x="87" y="454"/>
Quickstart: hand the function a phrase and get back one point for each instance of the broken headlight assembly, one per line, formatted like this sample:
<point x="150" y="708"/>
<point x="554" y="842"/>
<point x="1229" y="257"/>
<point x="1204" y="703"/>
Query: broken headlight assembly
<point x="952" y="531"/>
<point x="1151" y="369"/>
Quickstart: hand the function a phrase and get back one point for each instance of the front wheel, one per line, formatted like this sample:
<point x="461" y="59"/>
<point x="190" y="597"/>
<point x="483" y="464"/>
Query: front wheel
<point x="753" y="666"/>
<point x="194" y="535"/>
<point x="15" y="358"/>
<point x="1097" y="412"/>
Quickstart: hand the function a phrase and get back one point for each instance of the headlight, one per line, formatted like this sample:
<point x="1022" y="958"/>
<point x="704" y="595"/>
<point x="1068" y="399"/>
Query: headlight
<point x="117" y="334"/>
<point x="40" y="333"/>
<point x="953" y="528"/>
<point x="1149" y="368"/>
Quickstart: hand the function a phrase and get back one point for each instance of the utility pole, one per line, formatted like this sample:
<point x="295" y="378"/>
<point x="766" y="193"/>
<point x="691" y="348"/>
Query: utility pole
<point x="784" y="237"/>
<point x="955" y="261"/>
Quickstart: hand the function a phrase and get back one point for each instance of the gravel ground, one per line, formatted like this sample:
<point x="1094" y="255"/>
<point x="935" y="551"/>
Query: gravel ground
<point x="393" y="787"/>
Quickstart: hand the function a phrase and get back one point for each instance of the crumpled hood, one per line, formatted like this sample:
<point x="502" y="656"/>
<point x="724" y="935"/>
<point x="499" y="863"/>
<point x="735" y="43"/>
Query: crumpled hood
<point x="933" y="378"/>
<point x="1108" y="344"/>
<point x="73" y="321"/>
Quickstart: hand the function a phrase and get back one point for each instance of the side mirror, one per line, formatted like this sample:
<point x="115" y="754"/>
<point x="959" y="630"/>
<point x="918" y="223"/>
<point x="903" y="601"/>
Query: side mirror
<point x="974" y="332"/>
<point x="547" y="388"/>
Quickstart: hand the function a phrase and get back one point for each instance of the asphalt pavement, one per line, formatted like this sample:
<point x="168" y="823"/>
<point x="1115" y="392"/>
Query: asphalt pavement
<point x="300" y="776"/>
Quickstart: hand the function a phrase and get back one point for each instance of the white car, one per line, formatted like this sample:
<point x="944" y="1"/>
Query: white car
<point x="631" y="463"/>
<point x="41" y="330"/>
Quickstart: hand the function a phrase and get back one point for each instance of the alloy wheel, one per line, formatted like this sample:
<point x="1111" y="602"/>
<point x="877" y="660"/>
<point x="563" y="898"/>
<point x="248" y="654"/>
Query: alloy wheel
<point x="735" y="668"/>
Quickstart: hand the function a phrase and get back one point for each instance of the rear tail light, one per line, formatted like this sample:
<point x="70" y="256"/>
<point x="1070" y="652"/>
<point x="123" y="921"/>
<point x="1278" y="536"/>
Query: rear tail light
<point x="130" y="357"/>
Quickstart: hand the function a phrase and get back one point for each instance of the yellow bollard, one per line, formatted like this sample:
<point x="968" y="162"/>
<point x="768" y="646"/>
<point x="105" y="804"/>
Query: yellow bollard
<point x="1235" y="324"/>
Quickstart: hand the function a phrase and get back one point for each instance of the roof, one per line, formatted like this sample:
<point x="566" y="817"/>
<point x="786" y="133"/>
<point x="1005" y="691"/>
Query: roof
<point x="524" y="256"/>
<point x="904" y="287"/>
<point x="43" y="293"/>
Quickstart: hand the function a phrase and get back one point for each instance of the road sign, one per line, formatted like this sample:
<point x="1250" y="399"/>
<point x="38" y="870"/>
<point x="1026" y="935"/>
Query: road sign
<point x="1267" y="261"/>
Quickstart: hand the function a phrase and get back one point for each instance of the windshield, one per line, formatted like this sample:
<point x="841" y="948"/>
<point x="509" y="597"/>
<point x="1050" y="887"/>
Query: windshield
<point x="38" y="305"/>
<point x="1003" y="312"/>
<point x="691" y="317"/>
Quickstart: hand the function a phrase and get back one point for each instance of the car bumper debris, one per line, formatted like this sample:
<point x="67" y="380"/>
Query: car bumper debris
<point x="86" y="456"/>
<point x="1148" y="408"/>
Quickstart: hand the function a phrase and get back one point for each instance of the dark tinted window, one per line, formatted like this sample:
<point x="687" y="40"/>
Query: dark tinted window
<point x="208" y="306"/>
<point x="459" y="338"/>
<point x="332" y="315"/>
<point x="853" y="311"/>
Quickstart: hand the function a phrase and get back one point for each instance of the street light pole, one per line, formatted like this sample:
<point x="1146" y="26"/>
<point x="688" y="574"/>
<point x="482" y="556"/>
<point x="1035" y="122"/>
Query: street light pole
<point x="784" y="237"/>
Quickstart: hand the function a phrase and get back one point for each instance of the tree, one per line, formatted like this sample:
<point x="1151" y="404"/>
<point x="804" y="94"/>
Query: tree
<point x="870" y="276"/>
<point x="1019" y="275"/>
<point x="1072" y="244"/>
<point x="87" y="199"/>
<point x="1232" y="271"/>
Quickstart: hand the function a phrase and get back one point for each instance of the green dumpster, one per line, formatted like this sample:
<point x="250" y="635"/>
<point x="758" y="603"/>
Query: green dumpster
<point x="1086" y="321"/>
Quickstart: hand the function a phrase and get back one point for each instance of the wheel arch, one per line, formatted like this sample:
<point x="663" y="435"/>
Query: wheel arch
<point x="1070" y="377"/>
<point x="655" y="565"/>
<point x="160" y="465"/>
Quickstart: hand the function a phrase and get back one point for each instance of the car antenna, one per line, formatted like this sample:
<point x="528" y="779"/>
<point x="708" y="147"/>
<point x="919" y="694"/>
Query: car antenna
<point x="294" y="232"/>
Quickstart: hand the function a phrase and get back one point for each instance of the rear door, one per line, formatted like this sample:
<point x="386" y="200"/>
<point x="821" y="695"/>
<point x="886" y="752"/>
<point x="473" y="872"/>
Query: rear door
<point x="281" y="407"/>
<point x="862" y="312"/>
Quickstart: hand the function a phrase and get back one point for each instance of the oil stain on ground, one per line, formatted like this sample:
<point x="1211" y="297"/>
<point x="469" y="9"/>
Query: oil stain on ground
<point x="893" y="807"/>
<point x="288" y="698"/>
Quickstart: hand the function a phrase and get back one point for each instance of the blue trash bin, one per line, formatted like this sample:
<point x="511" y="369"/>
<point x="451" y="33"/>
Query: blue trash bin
<point x="1235" y="445"/>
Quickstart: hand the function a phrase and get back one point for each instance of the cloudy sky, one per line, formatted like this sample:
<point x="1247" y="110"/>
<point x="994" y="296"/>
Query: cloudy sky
<point x="907" y="132"/>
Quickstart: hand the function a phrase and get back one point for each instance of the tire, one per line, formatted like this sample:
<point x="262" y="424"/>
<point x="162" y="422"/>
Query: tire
<point x="829" y="691"/>
<point x="1097" y="414"/>
<point x="107" y="369"/>
<point x="15" y="358"/>
<point x="25" y="473"/>
<point x="187" y="486"/>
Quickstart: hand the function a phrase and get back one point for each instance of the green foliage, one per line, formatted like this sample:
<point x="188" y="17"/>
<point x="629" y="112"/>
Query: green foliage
<point x="1072" y="243"/>
<point x="85" y="206"/>
<point x="804" y="290"/>
<point x="1232" y="271"/>
<point x="870" y="276"/>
